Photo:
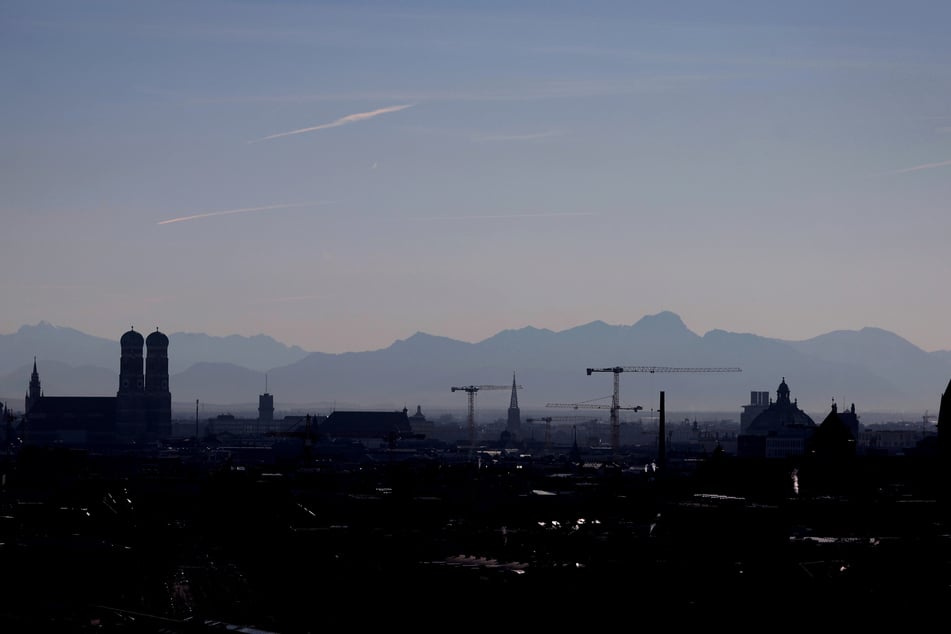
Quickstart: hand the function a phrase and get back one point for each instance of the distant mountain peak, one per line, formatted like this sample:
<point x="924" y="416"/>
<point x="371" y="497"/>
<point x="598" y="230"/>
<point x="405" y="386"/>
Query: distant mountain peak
<point x="419" y="335"/>
<point x="665" y="319"/>
<point x="872" y="367"/>
<point x="40" y="325"/>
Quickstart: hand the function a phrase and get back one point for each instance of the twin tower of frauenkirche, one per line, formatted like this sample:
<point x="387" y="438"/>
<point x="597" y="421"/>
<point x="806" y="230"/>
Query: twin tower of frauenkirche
<point x="143" y="402"/>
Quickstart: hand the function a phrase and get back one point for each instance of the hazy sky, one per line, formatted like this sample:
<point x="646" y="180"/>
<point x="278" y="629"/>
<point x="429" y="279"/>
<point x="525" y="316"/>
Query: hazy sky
<point x="340" y="175"/>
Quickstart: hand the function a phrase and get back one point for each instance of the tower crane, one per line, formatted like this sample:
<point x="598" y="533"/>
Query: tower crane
<point x="617" y="370"/>
<point x="548" y="421"/>
<point x="614" y="407"/>
<point x="470" y="391"/>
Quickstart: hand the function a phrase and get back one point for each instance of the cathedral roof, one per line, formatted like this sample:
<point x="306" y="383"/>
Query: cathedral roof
<point x="833" y="436"/>
<point x="90" y="413"/>
<point x="365" y="424"/>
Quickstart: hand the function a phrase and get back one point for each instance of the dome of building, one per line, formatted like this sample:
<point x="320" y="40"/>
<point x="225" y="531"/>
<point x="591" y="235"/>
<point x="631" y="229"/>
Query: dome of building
<point x="131" y="339"/>
<point x="156" y="340"/>
<point x="783" y="414"/>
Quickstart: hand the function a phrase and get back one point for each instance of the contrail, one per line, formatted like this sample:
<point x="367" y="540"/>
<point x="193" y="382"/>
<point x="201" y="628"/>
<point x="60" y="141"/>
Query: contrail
<point x="926" y="166"/>
<point x="350" y="118"/>
<point x="227" y="212"/>
<point x="496" y="216"/>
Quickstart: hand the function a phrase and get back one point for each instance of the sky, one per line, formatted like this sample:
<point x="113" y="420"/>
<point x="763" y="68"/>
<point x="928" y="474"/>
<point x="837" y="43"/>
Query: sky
<point x="342" y="175"/>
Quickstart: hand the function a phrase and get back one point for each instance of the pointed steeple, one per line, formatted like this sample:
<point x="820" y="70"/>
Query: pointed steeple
<point x="514" y="421"/>
<point x="35" y="391"/>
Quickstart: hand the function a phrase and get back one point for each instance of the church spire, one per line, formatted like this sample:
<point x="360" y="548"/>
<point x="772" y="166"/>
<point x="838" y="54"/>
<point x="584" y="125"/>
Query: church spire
<point x="514" y="421"/>
<point x="35" y="391"/>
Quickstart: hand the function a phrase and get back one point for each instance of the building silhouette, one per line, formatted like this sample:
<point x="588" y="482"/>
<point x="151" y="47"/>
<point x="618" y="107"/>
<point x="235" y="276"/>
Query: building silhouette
<point x="366" y="425"/>
<point x="779" y="431"/>
<point x="759" y="401"/>
<point x="141" y="410"/>
<point x="835" y="437"/>
<point x="266" y="406"/>
<point x="944" y="423"/>
<point x="513" y="421"/>
<point x="419" y="425"/>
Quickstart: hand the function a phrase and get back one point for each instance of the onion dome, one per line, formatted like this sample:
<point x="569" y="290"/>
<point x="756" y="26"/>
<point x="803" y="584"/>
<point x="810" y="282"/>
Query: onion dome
<point x="131" y="339"/>
<point x="156" y="340"/>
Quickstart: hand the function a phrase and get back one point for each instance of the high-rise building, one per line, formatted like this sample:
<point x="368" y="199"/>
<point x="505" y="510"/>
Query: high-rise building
<point x="759" y="401"/>
<point x="266" y="408"/>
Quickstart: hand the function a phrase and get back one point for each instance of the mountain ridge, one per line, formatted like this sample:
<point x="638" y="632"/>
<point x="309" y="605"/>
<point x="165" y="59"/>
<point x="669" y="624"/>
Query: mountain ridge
<point x="872" y="367"/>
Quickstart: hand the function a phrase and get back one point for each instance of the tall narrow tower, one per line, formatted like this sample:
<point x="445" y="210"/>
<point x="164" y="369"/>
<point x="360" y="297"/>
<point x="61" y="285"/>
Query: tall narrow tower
<point x="944" y="423"/>
<point x="156" y="363"/>
<point x="265" y="405"/>
<point x="130" y="399"/>
<point x="131" y="375"/>
<point x="514" y="422"/>
<point x="158" y="398"/>
<point x="35" y="391"/>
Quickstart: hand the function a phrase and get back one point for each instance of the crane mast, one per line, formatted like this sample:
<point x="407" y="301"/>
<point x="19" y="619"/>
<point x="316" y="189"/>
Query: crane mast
<point x="614" y="407"/>
<point x="652" y="369"/>
<point x="548" y="421"/>
<point x="470" y="391"/>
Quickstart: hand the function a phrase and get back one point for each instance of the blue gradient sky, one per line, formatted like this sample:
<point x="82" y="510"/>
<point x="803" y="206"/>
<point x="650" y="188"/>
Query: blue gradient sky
<point x="342" y="175"/>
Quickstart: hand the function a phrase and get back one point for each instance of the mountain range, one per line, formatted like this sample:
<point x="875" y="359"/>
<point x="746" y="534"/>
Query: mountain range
<point x="875" y="369"/>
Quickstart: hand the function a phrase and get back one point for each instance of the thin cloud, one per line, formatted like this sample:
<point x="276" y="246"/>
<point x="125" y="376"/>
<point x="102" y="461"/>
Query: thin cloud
<point x="292" y="298"/>
<point x="350" y="118"/>
<point x="497" y="216"/>
<point x="520" y="137"/>
<point x="925" y="166"/>
<point x="227" y="212"/>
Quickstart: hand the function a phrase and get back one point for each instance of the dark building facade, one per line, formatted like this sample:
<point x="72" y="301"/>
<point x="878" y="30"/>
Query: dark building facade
<point x="366" y="425"/>
<point x="140" y="411"/>
<point x="779" y="431"/>
<point x="835" y="437"/>
<point x="266" y="408"/>
<point x="944" y="423"/>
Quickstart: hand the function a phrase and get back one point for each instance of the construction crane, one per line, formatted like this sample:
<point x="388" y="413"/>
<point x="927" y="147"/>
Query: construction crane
<point x="470" y="391"/>
<point x="308" y="434"/>
<point x="548" y="421"/>
<point x="614" y="407"/>
<point x="652" y="369"/>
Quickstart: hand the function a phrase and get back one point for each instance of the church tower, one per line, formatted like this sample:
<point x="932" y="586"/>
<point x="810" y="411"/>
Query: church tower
<point x="130" y="399"/>
<point x="131" y="376"/>
<point x="514" y="421"/>
<point x="33" y="396"/>
<point x="158" y="398"/>
<point x="944" y="423"/>
<point x="156" y="363"/>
